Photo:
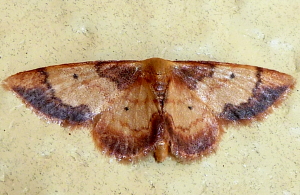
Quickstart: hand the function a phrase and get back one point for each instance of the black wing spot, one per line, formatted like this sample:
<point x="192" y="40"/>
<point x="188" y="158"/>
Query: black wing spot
<point x="75" y="76"/>
<point x="232" y="76"/>
<point x="126" y="108"/>
<point x="190" y="107"/>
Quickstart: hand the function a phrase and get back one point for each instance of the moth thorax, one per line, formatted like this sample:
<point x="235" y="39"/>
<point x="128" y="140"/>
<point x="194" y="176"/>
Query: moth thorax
<point x="160" y="89"/>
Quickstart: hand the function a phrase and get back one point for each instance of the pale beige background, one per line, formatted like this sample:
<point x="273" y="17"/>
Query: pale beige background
<point x="41" y="158"/>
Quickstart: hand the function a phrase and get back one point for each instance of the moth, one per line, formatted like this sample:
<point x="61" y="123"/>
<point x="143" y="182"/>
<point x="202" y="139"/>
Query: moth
<point x="176" y="108"/>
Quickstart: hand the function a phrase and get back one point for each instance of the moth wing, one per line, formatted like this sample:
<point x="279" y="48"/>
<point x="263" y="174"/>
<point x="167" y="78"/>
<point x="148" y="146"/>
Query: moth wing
<point x="234" y="92"/>
<point x="70" y="94"/>
<point x="111" y="96"/>
<point x="204" y="95"/>
<point x="195" y="131"/>
<point x="125" y="130"/>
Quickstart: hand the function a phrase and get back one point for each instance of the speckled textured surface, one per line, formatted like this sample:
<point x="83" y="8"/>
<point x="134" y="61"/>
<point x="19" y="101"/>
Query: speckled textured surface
<point x="41" y="158"/>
